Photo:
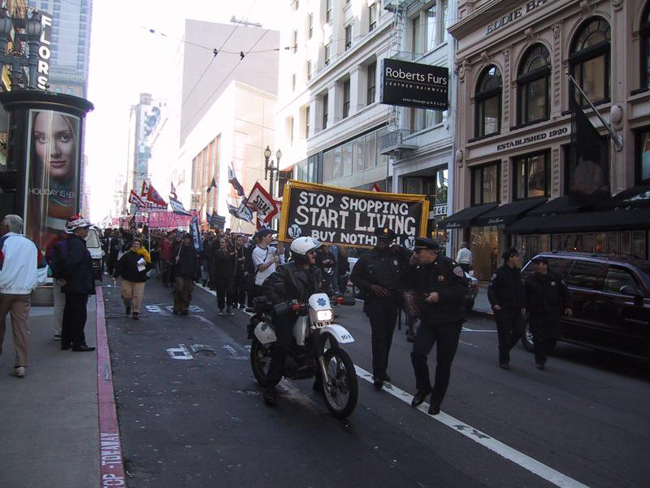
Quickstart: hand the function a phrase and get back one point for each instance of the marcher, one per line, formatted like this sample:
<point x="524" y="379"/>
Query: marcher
<point x="440" y="287"/>
<point x="547" y="297"/>
<point x="377" y="274"/>
<point x="133" y="267"/>
<point x="265" y="259"/>
<point x="225" y="262"/>
<point x="508" y="300"/>
<point x="464" y="257"/>
<point x="326" y="261"/>
<point x="166" y="256"/>
<point x="240" y="272"/>
<point x="296" y="280"/>
<point x="114" y="248"/>
<point x="79" y="283"/>
<point x="186" y="271"/>
<point x="20" y="262"/>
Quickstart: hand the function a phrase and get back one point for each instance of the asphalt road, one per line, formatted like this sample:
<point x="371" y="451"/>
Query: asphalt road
<point x="192" y="415"/>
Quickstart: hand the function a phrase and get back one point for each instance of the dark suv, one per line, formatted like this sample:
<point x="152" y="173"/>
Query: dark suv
<point x="611" y="302"/>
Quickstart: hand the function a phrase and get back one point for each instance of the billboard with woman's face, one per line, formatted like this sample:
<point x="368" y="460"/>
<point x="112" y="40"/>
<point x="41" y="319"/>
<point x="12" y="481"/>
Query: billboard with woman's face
<point x="52" y="173"/>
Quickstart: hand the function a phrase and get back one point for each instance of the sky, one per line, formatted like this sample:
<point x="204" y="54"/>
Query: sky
<point x="126" y="60"/>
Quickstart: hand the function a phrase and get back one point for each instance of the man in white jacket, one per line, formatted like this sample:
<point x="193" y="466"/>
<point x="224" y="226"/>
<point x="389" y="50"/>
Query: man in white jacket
<point x="21" y="267"/>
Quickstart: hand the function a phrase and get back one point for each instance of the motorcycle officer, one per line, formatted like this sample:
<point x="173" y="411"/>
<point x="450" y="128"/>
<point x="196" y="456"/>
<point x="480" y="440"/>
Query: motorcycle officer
<point x="377" y="274"/>
<point x="508" y="299"/>
<point x="440" y="287"/>
<point x="296" y="280"/>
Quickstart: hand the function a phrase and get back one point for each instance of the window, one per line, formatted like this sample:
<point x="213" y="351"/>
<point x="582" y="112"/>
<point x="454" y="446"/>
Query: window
<point x="290" y="130"/>
<point x="295" y="41"/>
<point x="532" y="176"/>
<point x="415" y="35"/>
<point x="372" y="17"/>
<point x="293" y="82"/>
<point x="644" y="35"/>
<point x="432" y="28"/>
<point x="443" y="22"/>
<point x="348" y="36"/>
<point x="585" y="274"/>
<point x="485" y="184"/>
<point x="311" y="25"/>
<point x="534" y="85"/>
<point x="590" y="60"/>
<point x="488" y="102"/>
<point x="326" y="102"/>
<point x="309" y="71"/>
<point x="346" y="98"/>
<point x="423" y="118"/>
<point x="328" y="11"/>
<point x="372" y="82"/>
<point x="643" y="156"/>
<point x="328" y="53"/>
<point x="616" y="278"/>
<point x="307" y="114"/>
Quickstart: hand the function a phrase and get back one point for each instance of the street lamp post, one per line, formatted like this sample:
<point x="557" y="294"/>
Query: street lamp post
<point x="270" y="166"/>
<point x="17" y="58"/>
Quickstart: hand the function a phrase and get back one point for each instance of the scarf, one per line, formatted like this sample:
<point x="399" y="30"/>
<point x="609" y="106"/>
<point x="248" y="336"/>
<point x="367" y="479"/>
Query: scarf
<point x="144" y="253"/>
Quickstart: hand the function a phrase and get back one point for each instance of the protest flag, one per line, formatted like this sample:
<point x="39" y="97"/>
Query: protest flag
<point x="232" y="179"/>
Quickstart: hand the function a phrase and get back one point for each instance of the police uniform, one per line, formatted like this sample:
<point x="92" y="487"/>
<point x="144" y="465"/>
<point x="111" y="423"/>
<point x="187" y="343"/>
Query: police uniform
<point x="547" y="297"/>
<point x="441" y="322"/>
<point x="506" y="291"/>
<point x="382" y="268"/>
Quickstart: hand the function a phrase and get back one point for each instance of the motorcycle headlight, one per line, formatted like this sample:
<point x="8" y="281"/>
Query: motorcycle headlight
<point x="324" y="315"/>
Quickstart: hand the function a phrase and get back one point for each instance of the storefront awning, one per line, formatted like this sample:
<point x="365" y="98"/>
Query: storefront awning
<point x="556" y="206"/>
<point x="463" y="219"/>
<point x="638" y="196"/>
<point x="631" y="219"/>
<point x="508" y="213"/>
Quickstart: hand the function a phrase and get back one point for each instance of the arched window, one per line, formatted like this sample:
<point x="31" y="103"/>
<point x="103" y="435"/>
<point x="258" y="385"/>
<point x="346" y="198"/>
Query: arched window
<point x="645" y="48"/>
<point x="590" y="60"/>
<point x="488" y="102"/>
<point x="534" y="84"/>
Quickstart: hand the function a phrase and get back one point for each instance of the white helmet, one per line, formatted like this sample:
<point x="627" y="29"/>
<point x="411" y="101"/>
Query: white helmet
<point x="76" y="223"/>
<point x="303" y="245"/>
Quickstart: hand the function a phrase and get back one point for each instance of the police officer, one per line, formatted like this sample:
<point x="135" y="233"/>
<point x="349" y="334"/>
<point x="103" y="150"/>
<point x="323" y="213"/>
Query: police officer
<point x="377" y="274"/>
<point x="508" y="300"/>
<point x="440" y="287"/>
<point x="547" y="297"/>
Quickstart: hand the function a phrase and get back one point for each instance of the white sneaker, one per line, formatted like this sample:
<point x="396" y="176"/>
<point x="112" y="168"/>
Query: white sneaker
<point x="18" y="372"/>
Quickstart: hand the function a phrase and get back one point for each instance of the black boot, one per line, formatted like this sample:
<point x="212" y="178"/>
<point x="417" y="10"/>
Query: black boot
<point x="419" y="397"/>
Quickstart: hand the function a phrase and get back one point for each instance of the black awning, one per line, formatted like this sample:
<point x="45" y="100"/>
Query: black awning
<point x="631" y="219"/>
<point x="556" y="206"/>
<point x="463" y="218"/>
<point x="638" y="196"/>
<point x="508" y="213"/>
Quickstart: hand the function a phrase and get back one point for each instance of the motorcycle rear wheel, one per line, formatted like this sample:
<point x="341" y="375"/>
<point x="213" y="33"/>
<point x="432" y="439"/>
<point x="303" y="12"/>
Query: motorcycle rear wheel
<point x="342" y="392"/>
<point x="260" y="362"/>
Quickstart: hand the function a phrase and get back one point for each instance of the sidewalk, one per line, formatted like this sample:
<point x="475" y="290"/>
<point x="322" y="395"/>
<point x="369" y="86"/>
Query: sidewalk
<point x="49" y="428"/>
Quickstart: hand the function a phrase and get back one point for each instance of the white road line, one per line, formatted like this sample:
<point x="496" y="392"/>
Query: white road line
<point x="214" y="293"/>
<point x="526" y="462"/>
<point x="465" y="329"/>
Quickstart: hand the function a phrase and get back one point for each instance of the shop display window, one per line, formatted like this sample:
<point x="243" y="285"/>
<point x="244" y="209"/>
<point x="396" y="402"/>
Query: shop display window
<point x="557" y="242"/>
<point x="483" y="240"/>
<point x="545" y="243"/>
<point x="625" y="243"/>
<point x="588" y="243"/>
<point x="601" y="243"/>
<point x="638" y="244"/>
<point x="643" y="156"/>
<point x="612" y="242"/>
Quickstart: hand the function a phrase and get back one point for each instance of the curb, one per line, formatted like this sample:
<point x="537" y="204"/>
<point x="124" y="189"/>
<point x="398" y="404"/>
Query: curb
<point x="110" y="446"/>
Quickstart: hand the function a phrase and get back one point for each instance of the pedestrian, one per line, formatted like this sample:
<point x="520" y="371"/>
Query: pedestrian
<point x="326" y="261"/>
<point x="547" y="298"/>
<point x="377" y="274"/>
<point x="55" y="256"/>
<point x="439" y="287"/>
<point x="508" y="300"/>
<point x="133" y="267"/>
<point x="186" y="271"/>
<point x="225" y="263"/>
<point x="22" y="269"/>
<point x="464" y="257"/>
<point x="113" y="251"/>
<point x="79" y="284"/>
<point x="240" y="272"/>
<point x="265" y="259"/>
<point x="166" y="256"/>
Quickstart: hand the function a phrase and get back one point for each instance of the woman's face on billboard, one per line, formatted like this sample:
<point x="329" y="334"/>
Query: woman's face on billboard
<point x="55" y="144"/>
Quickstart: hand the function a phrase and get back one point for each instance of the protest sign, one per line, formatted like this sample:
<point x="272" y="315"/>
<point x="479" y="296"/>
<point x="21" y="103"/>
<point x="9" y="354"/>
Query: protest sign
<point x="349" y="217"/>
<point x="260" y="201"/>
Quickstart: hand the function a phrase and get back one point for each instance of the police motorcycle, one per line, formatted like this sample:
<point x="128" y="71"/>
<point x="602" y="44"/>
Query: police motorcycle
<point x="316" y="350"/>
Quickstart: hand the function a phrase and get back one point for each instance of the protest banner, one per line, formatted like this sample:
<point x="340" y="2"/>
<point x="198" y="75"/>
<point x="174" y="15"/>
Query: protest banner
<point x="349" y="217"/>
<point x="260" y="201"/>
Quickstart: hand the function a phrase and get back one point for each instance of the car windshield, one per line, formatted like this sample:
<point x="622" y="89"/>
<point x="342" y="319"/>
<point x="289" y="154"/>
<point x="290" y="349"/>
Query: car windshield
<point x="92" y="240"/>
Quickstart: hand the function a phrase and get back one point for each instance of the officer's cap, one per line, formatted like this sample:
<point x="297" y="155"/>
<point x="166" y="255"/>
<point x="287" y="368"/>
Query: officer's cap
<point x="510" y="252"/>
<point x="540" y="259"/>
<point x="384" y="233"/>
<point x="426" y="243"/>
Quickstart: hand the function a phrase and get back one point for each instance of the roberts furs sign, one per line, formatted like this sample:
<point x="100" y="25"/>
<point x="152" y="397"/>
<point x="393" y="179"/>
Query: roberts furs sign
<point x="349" y="217"/>
<point x="414" y="85"/>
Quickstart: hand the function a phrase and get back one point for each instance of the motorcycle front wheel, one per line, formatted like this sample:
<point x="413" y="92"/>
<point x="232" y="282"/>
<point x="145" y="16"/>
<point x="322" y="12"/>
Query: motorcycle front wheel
<point x="261" y="362"/>
<point x="342" y="391"/>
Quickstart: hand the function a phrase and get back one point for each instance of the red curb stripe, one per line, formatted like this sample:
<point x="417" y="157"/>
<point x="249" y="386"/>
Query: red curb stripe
<point x="110" y="447"/>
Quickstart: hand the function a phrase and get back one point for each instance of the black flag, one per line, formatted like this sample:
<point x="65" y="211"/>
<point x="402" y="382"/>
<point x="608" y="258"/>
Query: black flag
<point x="589" y="163"/>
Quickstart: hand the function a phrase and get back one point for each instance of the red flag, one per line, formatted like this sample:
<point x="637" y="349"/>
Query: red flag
<point x="154" y="197"/>
<point x="145" y="189"/>
<point x="375" y="187"/>
<point x="135" y="199"/>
